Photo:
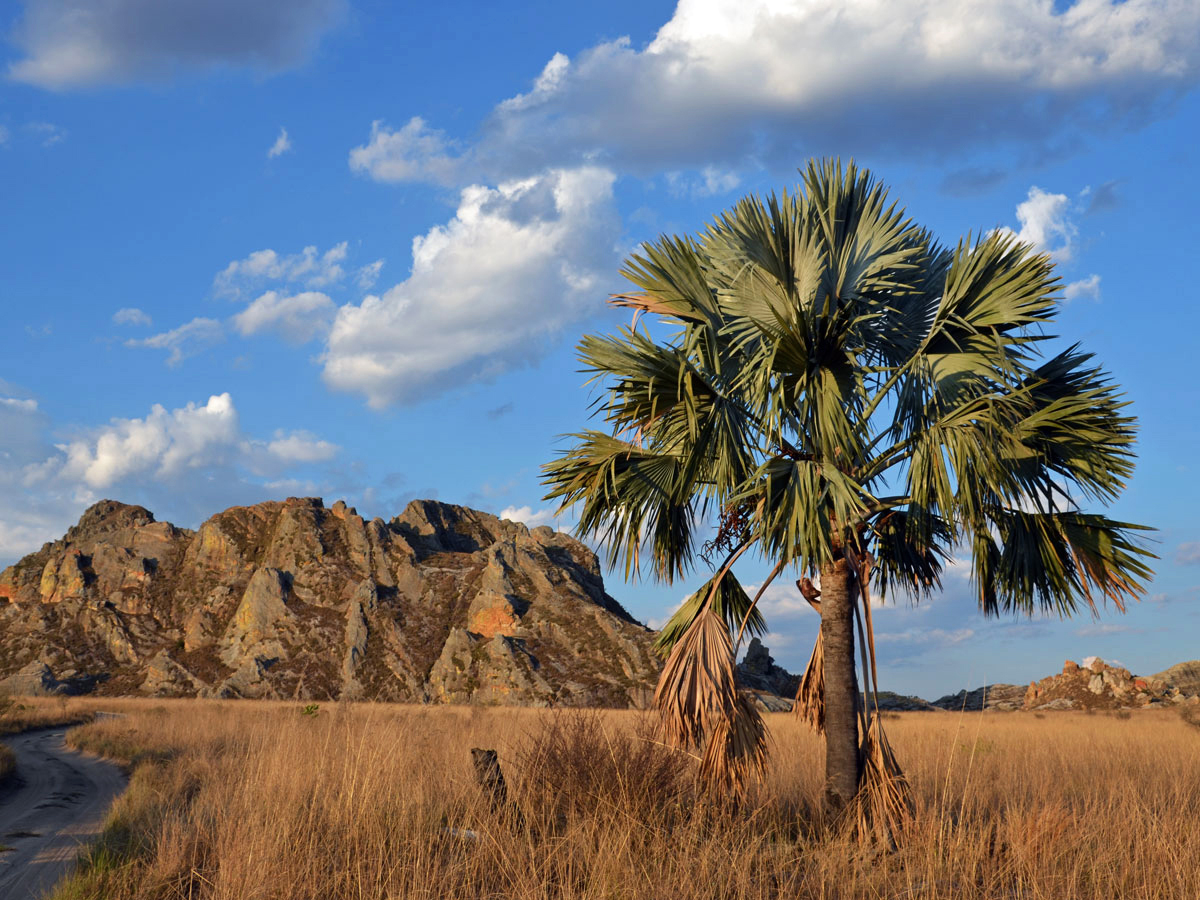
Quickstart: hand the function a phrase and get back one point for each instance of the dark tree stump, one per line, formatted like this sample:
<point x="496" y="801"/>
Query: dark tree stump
<point x="490" y="777"/>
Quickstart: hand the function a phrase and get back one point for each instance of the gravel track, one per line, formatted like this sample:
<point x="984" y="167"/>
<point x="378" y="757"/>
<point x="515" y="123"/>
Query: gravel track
<point x="56" y="804"/>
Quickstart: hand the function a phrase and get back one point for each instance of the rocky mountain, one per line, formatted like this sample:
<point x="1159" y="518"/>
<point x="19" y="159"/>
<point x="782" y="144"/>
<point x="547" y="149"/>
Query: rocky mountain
<point x="890" y="701"/>
<point x="292" y="599"/>
<point x="1094" y="685"/>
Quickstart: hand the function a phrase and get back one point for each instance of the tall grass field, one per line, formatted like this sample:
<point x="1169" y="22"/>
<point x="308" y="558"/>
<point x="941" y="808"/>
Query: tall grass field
<point x="274" y="801"/>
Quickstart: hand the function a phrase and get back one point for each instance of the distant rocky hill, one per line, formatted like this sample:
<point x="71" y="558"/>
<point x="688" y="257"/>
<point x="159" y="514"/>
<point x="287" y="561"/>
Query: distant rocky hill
<point x="1098" y="685"/>
<point x="1184" y="675"/>
<point x="295" y="600"/>
<point x="1094" y="685"/>
<point x="991" y="696"/>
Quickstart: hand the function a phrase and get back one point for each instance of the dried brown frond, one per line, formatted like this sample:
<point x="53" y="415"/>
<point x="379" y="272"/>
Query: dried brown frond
<point x="647" y="303"/>
<point x="810" y="696"/>
<point x="697" y="690"/>
<point x="883" y="808"/>
<point x="737" y="749"/>
<point x="700" y="706"/>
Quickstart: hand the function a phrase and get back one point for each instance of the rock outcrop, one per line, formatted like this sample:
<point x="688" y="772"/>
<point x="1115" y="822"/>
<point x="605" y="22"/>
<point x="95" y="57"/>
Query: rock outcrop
<point x="1004" y="697"/>
<point x="890" y="701"/>
<point x="758" y="672"/>
<point x="293" y="599"/>
<point x="1097" y="685"/>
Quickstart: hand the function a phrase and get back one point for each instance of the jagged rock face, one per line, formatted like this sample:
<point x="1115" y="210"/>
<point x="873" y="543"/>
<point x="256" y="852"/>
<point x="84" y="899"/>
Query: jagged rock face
<point x="1097" y="685"/>
<point x="291" y="599"/>
<point x="758" y="671"/>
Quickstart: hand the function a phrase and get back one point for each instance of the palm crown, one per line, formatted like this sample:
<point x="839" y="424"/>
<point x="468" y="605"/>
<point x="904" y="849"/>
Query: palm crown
<point x="839" y="386"/>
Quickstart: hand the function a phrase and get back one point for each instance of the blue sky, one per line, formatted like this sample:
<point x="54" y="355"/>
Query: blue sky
<point x="346" y="248"/>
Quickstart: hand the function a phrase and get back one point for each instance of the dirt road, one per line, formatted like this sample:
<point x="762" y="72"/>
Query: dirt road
<point x="58" y="803"/>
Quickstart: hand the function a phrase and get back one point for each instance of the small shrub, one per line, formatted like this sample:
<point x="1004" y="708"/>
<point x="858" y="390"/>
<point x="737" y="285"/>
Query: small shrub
<point x="573" y="767"/>
<point x="310" y="710"/>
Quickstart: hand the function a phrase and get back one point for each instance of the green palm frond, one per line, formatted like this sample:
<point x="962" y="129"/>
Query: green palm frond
<point x="1052" y="562"/>
<point x="633" y="500"/>
<point x="909" y="551"/>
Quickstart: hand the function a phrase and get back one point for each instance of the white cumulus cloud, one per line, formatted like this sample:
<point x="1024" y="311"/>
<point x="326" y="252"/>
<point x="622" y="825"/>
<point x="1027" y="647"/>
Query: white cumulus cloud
<point x="1046" y="223"/>
<point x="369" y="274"/>
<point x="297" y="319"/>
<point x="516" y="264"/>
<point x="183" y="463"/>
<point x="309" y="267"/>
<point x="18" y="404"/>
<point x="162" y="444"/>
<point x="1085" y="288"/>
<point x="281" y="146"/>
<point x="300" y="447"/>
<point x="165" y="444"/>
<point x="411" y="153"/>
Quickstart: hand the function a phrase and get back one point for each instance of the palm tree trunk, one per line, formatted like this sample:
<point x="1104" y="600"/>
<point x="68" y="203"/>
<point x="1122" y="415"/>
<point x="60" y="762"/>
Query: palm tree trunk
<point x="842" y="766"/>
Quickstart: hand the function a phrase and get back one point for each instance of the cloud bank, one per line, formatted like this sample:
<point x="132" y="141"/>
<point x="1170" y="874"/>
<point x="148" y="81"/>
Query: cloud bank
<point x="726" y="82"/>
<point x="84" y="43"/>
<point x="185" y="463"/>
<point x="167" y="443"/>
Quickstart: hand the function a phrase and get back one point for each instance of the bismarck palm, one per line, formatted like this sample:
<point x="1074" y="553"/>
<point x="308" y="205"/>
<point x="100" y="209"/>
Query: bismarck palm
<point x="850" y="400"/>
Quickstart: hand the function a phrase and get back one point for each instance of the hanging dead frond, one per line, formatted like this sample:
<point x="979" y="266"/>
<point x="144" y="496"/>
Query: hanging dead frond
<point x="883" y="808"/>
<point x="726" y="596"/>
<point x="737" y="749"/>
<point x="810" y="696"/>
<point x="696" y="689"/>
<point x="700" y="706"/>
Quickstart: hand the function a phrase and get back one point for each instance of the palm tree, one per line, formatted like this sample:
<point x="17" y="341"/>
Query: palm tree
<point x="852" y="401"/>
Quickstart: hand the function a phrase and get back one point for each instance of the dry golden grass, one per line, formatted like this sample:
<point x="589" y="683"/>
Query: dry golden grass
<point x="19" y="714"/>
<point x="256" y="801"/>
